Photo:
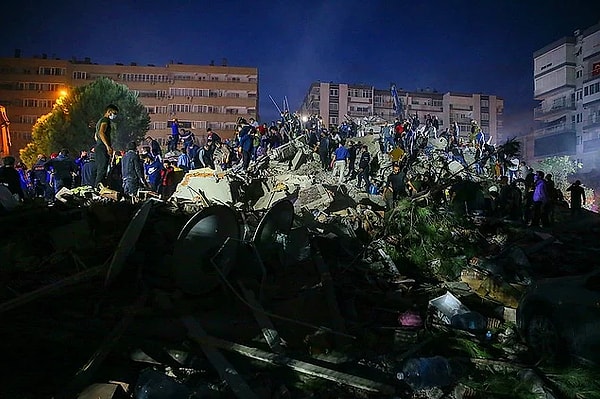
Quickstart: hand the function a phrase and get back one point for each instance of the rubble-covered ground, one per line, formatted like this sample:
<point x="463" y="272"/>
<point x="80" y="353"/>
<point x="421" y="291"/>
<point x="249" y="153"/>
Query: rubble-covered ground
<point x="283" y="285"/>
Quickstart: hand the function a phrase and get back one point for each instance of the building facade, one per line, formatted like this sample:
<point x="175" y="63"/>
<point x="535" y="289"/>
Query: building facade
<point x="336" y="102"/>
<point x="567" y="83"/>
<point x="199" y="96"/>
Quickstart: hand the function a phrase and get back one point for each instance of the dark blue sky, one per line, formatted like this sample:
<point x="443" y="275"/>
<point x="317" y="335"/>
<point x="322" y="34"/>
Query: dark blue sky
<point x="463" y="46"/>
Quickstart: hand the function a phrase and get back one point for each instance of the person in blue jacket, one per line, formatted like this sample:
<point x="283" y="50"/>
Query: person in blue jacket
<point x="245" y="137"/>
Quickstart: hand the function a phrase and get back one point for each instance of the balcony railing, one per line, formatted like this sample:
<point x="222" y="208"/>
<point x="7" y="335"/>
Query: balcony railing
<point x="544" y="112"/>
<point x="556" y="129"/>
<point x="591" y="145"/>
<point x="592" y="121"/>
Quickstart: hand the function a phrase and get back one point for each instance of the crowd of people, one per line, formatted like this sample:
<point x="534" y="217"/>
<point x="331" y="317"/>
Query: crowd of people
<point x="520" y="193"/>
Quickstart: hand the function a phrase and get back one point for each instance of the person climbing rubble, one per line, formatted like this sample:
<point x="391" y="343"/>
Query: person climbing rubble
<point x="339" y="160"/>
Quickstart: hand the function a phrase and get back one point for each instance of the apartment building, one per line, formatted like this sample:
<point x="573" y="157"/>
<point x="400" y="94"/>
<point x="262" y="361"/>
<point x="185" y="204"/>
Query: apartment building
<point x="335" y="102"/>
<point x="199" y="96"/>
<point x="567" y="83"/>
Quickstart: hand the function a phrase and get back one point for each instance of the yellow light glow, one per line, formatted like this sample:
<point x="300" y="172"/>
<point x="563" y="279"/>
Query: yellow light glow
<point x="63" y="93"/>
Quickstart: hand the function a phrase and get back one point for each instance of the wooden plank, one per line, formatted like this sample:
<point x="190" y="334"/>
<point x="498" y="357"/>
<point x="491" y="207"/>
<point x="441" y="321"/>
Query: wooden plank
<point x="266" y="326"/>
<point x="224" y="368"/>
<point x="296" y="365"/>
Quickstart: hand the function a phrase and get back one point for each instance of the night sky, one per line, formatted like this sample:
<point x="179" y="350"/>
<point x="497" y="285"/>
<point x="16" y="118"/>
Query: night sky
<point x="461" y="46"/>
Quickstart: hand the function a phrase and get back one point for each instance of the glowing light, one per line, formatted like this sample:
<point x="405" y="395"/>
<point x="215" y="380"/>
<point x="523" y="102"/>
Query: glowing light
<point x="304" y="118"/>
<point x="63" y="93"/>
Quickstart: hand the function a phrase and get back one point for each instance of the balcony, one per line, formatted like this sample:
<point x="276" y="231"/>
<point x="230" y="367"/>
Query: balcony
<point x="592" y="121"/>
<point x="557" y="109"/>
<point x="591" y="145"/>
<point x="555" y="129"/>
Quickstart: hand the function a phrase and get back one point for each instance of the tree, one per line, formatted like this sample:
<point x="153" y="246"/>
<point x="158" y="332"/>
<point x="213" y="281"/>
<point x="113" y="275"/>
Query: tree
<point x="72" y="122"/>
<point x="560" y="168"/>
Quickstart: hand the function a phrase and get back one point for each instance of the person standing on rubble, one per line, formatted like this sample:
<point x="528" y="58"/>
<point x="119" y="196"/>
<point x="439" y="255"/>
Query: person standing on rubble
<point x="364" y="168"/>
<point x="155" y="149"/>
<point x="395" y="187"/>
<point x="88" y="169"/>
<point x="213" y="137"/>
<point x="552" y="197"/>
<point x="224" y="157"/>
<point x="64" y="168"/>
<point x="103" y="148"/>
<point x="39" y="177"/>
<point x="245" y="136"/>
<point x="167" y="181"/>
<point x="540" y="199"/>
<point x="174" y="139"/>
<point x="206" y="156"/>
<point x="132" y="171"/>
<point x="324" y="150"/>
<point x="352" y="149"/>
<point x="577" y="197"/>
<point x="340" y="159"/>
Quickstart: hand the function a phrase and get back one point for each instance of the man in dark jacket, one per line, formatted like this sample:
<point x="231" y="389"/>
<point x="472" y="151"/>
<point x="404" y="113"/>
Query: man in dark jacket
<point x="39" y="178"/>
<point x="324" y="151"/>
<point x="10" y="177"/>
<point x="63" y="168"/>
<point x="88" y="170"/>
<point x="364" y="168"/>
<point x="395" y="187"/>
<point x="132" y="171"/>
<point x="155" y="149"/>
<point x="245" y="137"/>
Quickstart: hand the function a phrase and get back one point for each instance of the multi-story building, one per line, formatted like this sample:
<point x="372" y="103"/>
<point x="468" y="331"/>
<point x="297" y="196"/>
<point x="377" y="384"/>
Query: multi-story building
<point x="199" y="96"/>
<point x="567" y="84"/>
<point x="337" y="102"/>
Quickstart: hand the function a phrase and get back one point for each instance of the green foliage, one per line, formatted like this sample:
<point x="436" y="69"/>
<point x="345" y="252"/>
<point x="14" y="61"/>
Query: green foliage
<point x="576" y="382"/>
<point x="560" y="168"/>
<point x="72" y="122"/>
<point x="427" y="238"/>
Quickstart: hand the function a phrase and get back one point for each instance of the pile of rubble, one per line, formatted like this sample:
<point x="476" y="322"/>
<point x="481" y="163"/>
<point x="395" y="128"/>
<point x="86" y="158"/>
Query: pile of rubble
<point x="273" y="282"/>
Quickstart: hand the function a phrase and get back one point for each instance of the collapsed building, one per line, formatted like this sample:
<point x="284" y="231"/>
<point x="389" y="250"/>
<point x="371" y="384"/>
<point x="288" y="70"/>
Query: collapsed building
<point x="276" y="282"/>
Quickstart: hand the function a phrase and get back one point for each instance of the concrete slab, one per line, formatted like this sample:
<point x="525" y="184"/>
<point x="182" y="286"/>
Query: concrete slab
<point x="299" y="160"/>
<point x="103" y="391"/>
<point x="205" y="185"/>
<point x="284" y="152"/>
<point x="314" y="197"/>
<point x="266" y="201"/>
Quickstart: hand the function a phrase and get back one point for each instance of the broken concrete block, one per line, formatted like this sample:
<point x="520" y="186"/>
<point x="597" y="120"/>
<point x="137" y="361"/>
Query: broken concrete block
<point x="284" y="152"/>
<point x="205" y="185"/>
<point x="439" y="143"/>
<point x="267" y="200"/>
<point x="299" y="160"/>
<point x="103" y="391"/>
<point x="315" y="197"/>
<point x="509" y="314"/>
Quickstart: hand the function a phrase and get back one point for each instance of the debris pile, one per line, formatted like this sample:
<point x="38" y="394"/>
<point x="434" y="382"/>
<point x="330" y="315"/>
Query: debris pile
<point x="276" y="282"/>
